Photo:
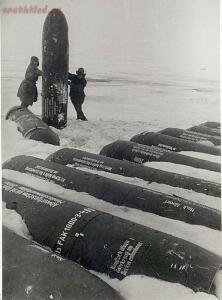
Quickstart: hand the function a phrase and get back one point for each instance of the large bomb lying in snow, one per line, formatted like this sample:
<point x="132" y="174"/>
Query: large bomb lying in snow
<point x="31" y="126"/>
<point x="191" y="135"/>
<point x="211" y="124"/>
<point x="206" y="130"/>
<point x="142" y="153"/>
<point x="74" y="157"/>
<point x="108" y="244"/>
<point x="65" y="176"/>
<point x="118" y="192"/>
<point x="31" y="272"/>
<point x="55" y="56"/>
<point x="172" y="143"/>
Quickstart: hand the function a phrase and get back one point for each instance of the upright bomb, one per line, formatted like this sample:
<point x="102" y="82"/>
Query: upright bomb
<point x="31" y="272"/>
<point x="142" y="153"/>
<point x="108" y="244"/>
<point x="173" y="143"/>
<point x="55" y="57"/>
<point x="193" y="136"/>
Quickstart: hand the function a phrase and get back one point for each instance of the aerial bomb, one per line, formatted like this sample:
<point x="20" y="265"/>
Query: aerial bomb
<point x="32" y="272"/>
<point x="95" y="185"/>
<point x="172" y="143"/>
<point x="108" y="244"/>
<point x="137" y="197"/>
<point x="31" y="126"/>
<point x="211" y="124"/>
<point x="206" y="130"/>
<point x="120" y="193"/>
<point x="55" y="64"/>
<point x="142" y="153"/>
<point x="191" y="135"/>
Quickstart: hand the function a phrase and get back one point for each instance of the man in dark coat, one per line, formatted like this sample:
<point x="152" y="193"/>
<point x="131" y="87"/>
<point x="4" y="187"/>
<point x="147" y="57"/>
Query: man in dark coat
<point x="77" y="84"/>
<point x="27" y="91"/>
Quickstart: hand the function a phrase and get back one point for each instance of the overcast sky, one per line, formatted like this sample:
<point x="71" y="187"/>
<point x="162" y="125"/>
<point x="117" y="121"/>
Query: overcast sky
<point x="183" y="32"/>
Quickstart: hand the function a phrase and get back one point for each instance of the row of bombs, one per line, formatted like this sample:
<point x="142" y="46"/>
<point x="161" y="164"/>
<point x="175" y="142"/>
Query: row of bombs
<point x="172" y="139"/>
<point x="122" y="193"/>
<point x="111" y="161"/>
<point x="123" y="248"/>
<point x="104" y="243"/>
<point x="147" y="146"/>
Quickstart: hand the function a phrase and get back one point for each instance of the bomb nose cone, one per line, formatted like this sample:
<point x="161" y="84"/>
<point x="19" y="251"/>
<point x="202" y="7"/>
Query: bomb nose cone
<point x="55" y="20"/>
<point x="55" y="11"/>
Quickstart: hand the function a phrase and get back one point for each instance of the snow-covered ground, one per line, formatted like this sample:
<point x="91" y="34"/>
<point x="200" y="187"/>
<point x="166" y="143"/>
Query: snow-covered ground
<point x="125" y="96"/>
<point x="119" y="109"/>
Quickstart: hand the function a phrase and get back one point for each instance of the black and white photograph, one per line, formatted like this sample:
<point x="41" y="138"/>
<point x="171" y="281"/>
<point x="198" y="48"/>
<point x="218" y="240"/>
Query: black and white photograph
<point x="111" y="150"/>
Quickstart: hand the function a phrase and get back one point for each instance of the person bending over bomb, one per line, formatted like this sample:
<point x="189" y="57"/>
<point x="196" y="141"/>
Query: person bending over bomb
<point x="27" y="91"/>
<point x="77" y="84"/>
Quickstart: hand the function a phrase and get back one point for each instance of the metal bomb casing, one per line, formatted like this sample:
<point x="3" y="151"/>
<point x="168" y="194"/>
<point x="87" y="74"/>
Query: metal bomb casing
<point x="31" y="126"/>
<point x="78" y="158"/>
<point x="88" y="182"/>
<point x="142" y="153"/>
<point x="206" y="130"/>
<point x="29" y="271"/>
<point x="108" y="244"/>
<point x="55" y="64"/>
<point x="212" y="124"/>
<point x="191" y="135"/>
<point x="173" y="143"/>
<point x="118" y="193"/>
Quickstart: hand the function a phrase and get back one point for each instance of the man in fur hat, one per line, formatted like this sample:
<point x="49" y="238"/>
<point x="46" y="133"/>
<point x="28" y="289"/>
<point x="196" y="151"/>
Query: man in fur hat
<point x="27" y="91"/>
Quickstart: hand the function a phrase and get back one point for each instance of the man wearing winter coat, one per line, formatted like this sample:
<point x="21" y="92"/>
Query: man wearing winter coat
<point x="27" y="91"/>
<point x="77" y="84"/>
